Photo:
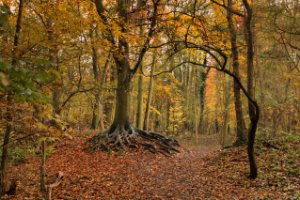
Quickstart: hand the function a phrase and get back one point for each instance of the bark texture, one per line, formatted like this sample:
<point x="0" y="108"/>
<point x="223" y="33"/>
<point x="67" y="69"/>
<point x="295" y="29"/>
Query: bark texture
<point x="150" y="91"/>
<point x="252" y="105"/>
<point x="240" y="122"/>
<point x="121" y="135"/>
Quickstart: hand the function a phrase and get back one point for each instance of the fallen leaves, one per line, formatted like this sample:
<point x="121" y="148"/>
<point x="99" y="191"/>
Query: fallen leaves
<point x="142" y="175"/>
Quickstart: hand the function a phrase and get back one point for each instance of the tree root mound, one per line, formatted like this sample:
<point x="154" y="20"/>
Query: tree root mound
<point x="118" y="139"/>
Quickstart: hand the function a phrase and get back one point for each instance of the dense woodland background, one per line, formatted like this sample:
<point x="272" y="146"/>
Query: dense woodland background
<point x="64" y="64"/>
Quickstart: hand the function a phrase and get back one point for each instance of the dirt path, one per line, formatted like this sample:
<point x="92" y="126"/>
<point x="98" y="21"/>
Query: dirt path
<point x="129" y="176"/>
<point x="136" y="175"/>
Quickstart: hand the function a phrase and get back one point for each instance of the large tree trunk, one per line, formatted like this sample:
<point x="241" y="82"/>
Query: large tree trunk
<point x="122" y="99"/>
<point x="240" y="122"/>
<point x="121" y="135"/>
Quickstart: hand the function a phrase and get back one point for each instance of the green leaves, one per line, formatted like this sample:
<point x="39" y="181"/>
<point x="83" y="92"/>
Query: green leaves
<point x="22" y="83"/>
<point x="4" y="14"/>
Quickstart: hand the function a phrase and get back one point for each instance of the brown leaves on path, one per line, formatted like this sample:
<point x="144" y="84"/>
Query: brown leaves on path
<point x="142" y="175"/>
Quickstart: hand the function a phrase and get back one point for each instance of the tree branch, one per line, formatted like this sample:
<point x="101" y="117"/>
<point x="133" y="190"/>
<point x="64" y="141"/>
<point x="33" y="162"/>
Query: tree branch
<point x="149" y="37"/>
<point x="100" y="11"/>
<point x="236" y="12"/>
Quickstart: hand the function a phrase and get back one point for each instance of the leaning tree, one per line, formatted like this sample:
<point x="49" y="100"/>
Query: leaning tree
<point x="214" y="51"/>
<point x="118" y="29"/>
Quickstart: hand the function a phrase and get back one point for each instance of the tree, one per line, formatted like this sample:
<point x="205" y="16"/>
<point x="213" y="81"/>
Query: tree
<point x="97" y="115"/>
<point x="139" y="113"/>
<point x="240" y="122"/>
<point x="202" y="88"/>
<point x="218" y="55"/>
<point x="4" y="187"/>
<point x="249" y="93"/>
<point x="252" y="105"/>
<point x="150" y="92"/>
<point x="121" y="134"/>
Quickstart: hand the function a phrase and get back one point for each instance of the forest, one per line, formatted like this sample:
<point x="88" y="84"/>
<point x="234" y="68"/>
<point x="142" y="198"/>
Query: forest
<point x="149" y="99"/>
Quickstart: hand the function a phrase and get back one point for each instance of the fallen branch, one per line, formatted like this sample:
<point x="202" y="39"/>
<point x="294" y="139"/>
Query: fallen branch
<point x="49" y="187"/>
<point x="269" y="145"/>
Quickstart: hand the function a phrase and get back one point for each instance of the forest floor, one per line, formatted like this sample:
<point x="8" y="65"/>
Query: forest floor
<point x="191" y="174"/>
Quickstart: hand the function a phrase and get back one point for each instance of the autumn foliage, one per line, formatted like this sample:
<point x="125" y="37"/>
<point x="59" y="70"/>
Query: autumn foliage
<point x="149" y="99"/>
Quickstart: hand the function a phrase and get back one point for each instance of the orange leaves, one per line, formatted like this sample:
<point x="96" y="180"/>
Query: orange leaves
<point x="140" y="175"/>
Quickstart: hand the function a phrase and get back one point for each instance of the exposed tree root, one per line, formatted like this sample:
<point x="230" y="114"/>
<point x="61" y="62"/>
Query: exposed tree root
<point x="119" y="138"/>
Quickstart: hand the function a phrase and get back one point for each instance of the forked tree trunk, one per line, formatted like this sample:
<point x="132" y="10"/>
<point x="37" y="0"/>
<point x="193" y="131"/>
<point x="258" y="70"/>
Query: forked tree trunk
<point x="121" y="134"/>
